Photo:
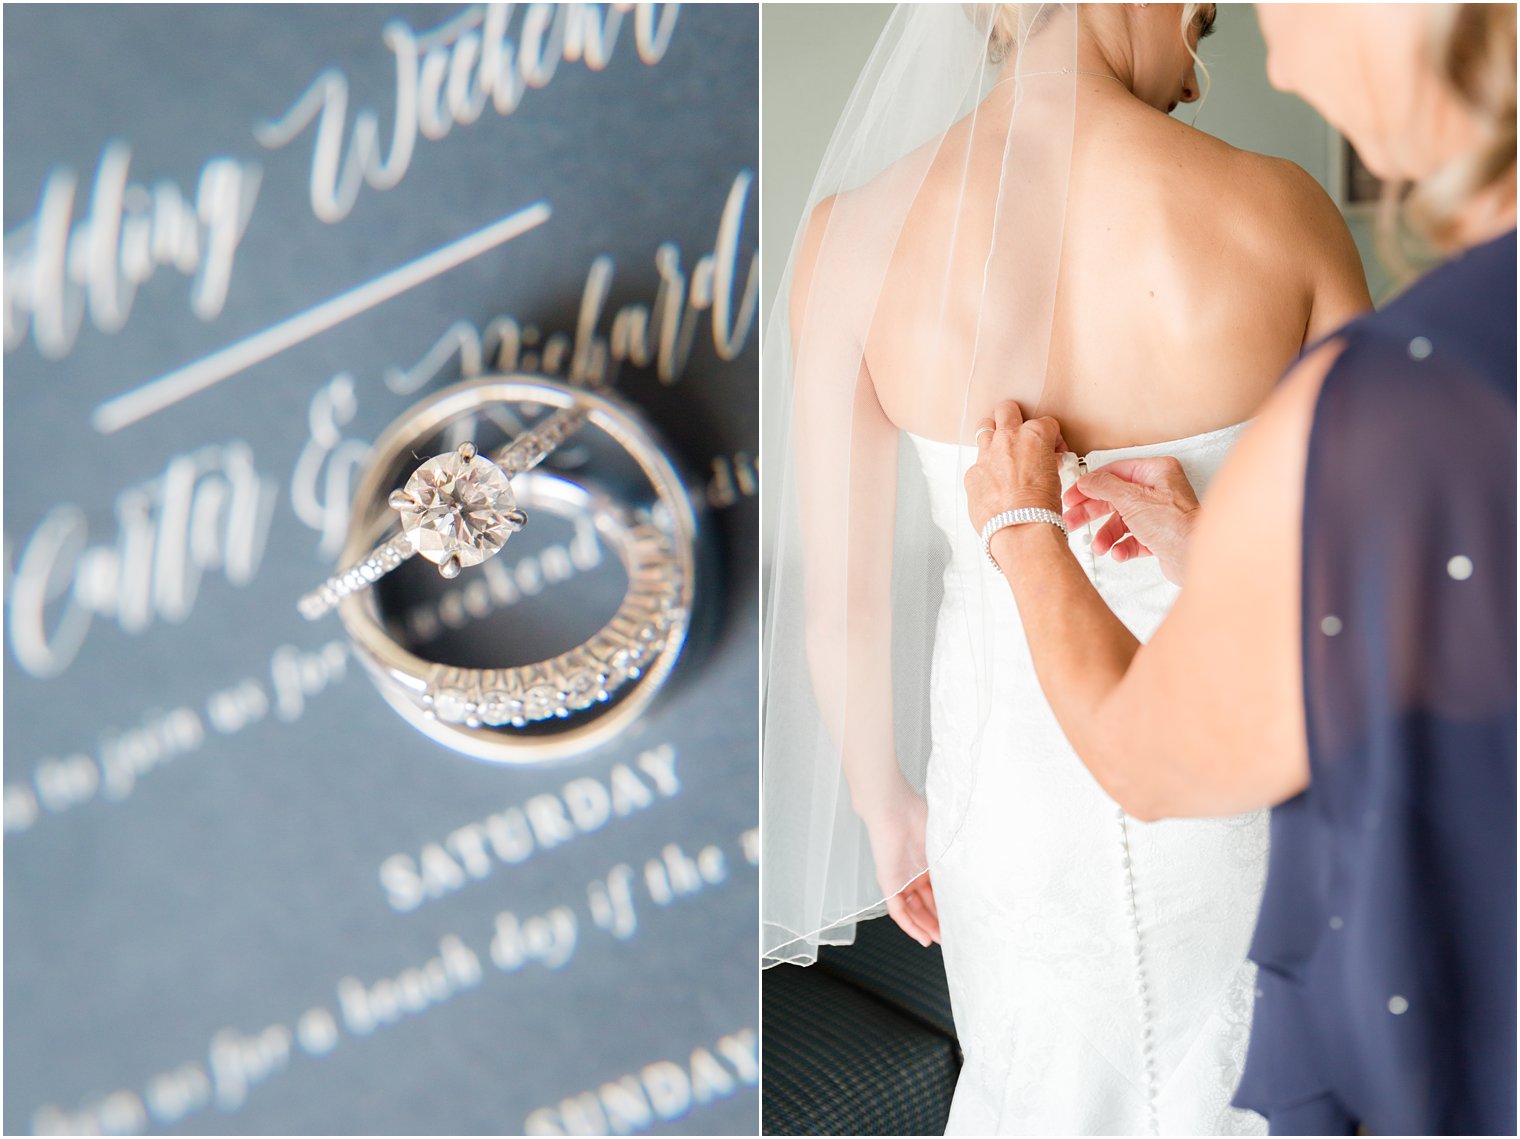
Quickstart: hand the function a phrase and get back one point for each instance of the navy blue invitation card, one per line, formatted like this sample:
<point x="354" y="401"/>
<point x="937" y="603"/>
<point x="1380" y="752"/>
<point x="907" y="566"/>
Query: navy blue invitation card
<point x="241" y="893"/>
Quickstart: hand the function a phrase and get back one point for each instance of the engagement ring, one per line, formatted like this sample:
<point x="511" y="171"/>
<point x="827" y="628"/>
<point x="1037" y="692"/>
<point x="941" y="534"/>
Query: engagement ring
<point x="456" y="510"/>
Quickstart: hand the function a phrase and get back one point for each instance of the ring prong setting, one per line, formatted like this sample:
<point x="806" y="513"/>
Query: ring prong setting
<point x="516" y="519"/>
<point x="456" y="508"/>
<point x="399" y="499"/>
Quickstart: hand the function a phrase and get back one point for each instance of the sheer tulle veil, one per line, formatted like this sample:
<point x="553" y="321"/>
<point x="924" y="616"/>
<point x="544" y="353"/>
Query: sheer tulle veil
<point x="935" y="223"/>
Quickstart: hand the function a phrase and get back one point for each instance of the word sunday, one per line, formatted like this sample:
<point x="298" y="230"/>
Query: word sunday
<point x="662" y="1091"/>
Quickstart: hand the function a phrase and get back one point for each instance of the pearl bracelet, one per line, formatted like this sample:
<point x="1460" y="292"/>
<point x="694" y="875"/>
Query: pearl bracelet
<point x="1013" y="518"/>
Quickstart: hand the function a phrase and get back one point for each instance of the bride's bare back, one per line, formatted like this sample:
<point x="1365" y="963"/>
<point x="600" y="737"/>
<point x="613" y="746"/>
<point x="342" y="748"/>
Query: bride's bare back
<point x="1190" y="274"/>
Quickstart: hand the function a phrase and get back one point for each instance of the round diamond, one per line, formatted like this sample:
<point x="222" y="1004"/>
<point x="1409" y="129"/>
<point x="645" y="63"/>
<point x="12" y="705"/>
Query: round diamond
<point x="540" y="701"/>
<point x="582" y="689"/>
<point x="452" y="705"/>
<point x="497" y="708"/>
<point x="458" y="509"/>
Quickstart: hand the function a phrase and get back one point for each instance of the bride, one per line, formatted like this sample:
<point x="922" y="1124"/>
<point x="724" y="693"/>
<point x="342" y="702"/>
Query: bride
<point x="1008" y="211"/>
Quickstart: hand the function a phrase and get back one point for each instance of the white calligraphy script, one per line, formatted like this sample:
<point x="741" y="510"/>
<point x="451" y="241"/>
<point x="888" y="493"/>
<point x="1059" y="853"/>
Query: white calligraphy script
<point x="447" y="77"/>
<point x="208" y="510"/>
<point x="660" y="334"/>
<point x="58" y="268"/>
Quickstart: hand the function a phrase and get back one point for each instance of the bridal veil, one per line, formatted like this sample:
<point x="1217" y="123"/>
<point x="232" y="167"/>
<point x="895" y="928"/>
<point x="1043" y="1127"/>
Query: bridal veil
<point x="938" y="211"/>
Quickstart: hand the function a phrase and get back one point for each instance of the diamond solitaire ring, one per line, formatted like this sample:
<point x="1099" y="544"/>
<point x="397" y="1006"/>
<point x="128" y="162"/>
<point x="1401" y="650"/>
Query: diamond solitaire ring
<point x="457" y="510"/>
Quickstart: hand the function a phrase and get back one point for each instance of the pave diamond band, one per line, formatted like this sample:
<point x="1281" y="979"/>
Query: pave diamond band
<point x="586" y="675"/>
<point x="620" y="480"/>
<point x="381" y="560"/>
<point x="533" y="447"/>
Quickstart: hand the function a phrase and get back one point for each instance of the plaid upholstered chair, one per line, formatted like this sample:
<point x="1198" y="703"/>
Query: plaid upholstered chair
<point x="861" y="1043"/>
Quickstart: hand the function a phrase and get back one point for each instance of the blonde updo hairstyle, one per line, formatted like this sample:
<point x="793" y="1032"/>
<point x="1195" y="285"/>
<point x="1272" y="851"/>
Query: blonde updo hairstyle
<point x="1471" y="48"/>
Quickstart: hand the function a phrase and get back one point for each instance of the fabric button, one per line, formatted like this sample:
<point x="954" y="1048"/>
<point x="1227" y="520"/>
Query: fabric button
<point x="1420" y="348"/>
<point x="1336" y="923"/>
<point x="1460" y="567"/>
<point x="1397" y="1005"/>
<point x="1331" y="625"/>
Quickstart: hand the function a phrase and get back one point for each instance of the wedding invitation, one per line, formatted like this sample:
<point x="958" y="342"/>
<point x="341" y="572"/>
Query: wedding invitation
<point x="241" y="893"/>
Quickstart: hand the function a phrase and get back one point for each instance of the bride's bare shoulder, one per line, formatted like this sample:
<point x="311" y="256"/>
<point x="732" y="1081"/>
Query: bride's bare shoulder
<point x="1279" y="186"/>
<point x="815" y="277"/>
<point x="1245" y="180"/>
<point x="1268" y="209"/>
<point x="843" y="227"/>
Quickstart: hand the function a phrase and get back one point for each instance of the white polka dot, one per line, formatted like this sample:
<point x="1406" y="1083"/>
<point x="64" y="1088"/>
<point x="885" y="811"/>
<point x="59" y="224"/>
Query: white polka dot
<point x="1397" y="1005"/>
<point x="1330" y="626"/>
<point x="1336" y="923"/>
<point x="1420" y="347"/>
<point x="1460" y="567"/>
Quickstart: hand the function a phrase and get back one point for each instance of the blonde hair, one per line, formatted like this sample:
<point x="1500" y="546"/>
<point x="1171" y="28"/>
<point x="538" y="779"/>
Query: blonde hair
<point x="1472" y="50"/>
<point x="1006" y="25"/>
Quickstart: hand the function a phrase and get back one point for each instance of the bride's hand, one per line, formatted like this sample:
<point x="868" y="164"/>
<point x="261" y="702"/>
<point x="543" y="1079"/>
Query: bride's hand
<point x="1149" y="500"/>
<point x="897" y="846"/>
<point x="1017" y="464"/>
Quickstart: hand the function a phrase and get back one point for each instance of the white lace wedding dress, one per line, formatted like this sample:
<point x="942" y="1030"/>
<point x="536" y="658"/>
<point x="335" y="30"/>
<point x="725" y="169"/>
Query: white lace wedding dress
<point x="1097" y="964"/>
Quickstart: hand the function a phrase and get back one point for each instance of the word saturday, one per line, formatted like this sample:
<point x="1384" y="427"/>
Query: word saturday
<point x="540" y="823"/>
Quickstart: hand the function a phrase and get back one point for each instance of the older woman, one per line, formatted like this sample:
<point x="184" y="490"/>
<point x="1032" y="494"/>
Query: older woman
<point x="1343" y="648"/>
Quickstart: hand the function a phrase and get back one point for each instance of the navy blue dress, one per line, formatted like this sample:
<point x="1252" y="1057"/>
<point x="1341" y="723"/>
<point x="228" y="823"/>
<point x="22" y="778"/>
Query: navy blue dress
<point x="1386" y="941"/>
